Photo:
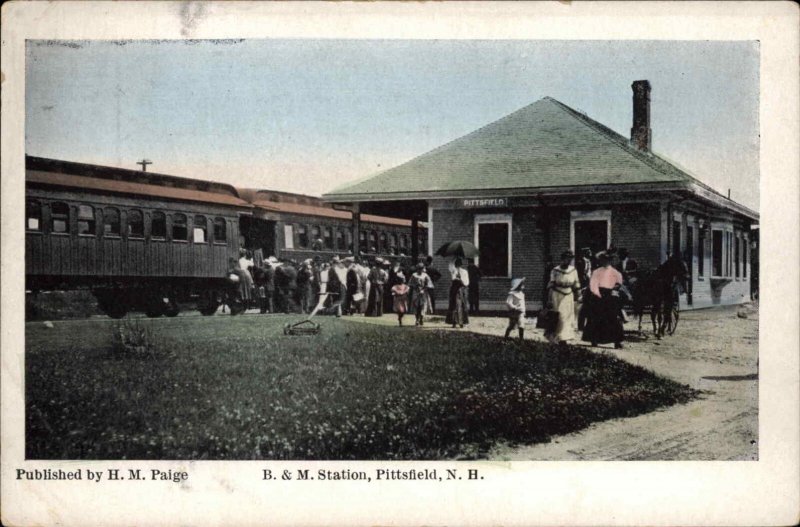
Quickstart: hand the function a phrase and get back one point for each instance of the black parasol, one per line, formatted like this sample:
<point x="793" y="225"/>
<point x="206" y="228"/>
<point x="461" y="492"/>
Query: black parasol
<point x="458" y="248"/>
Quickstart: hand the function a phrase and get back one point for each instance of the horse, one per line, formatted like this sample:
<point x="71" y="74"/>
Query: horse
<point x="656" y="289"/>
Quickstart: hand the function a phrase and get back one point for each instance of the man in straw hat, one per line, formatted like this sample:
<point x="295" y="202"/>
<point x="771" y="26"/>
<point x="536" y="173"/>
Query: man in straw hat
<point x="516" y="308"/>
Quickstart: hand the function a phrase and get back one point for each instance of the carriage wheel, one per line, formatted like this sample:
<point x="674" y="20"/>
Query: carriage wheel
<point x="673" y="322"/>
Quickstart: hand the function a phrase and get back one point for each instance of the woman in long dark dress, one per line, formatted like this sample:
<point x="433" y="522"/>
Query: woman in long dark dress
<point x="377" y="279"/>
<point x="457" y="307"/>
<point x="604" y="324"/>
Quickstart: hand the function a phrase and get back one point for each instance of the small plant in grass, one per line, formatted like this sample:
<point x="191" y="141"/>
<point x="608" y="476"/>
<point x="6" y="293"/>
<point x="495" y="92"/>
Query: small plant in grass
<point x="131" y="338"/>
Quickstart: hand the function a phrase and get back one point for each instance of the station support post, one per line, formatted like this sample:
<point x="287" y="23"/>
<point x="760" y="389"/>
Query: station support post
<point x="414" y="240"/>
<point x="356" y="230"/>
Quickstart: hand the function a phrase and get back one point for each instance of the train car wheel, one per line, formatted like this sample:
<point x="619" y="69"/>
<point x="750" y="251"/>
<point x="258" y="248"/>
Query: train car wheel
<point x="155" y="308"/>
<point x="208" y="309"/>
<point x="172" y="309"/>
<point x="208" y="304"/>
<point x="116" y="310"/>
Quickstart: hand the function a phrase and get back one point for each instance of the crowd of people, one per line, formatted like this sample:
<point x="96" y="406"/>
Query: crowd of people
<point x="584" y="293"/>
<point x="350" y="286"/>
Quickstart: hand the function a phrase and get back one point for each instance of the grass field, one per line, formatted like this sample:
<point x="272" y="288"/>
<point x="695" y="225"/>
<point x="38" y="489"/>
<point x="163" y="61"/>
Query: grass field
<point x="236" y="388"/>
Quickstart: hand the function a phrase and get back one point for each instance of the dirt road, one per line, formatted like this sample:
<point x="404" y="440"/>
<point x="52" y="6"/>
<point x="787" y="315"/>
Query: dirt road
<point x="714" y="350"/>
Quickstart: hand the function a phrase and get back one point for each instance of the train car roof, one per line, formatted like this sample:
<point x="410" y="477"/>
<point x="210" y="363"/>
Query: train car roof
<point x="328" y="212"/>
<point x="132" y="182"/>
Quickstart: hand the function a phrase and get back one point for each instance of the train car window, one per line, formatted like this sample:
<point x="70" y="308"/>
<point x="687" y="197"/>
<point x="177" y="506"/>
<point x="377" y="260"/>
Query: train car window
<point x="362" y="241"/>
<point x="403" y="243"/>
<point x="327" y="237"/>
<point x="33" y="215"/>
<point x="384" y="244"/>
<point x="200" y="229"/>
<point x="302" y="236"/>
<point x="180" y="231"/>
<point x="111" y="222"/>
<point x="86" y="220"/>
<point x="348" y="240"/>
<point x="340" y="243"/>
<point x="393" y="243"/>
<point x="220" y="230"/>
<point x="316" y="239"/>
<point x="135" y="224"/>
<point x="158" y="226"/>
<point x="59" y="213"/>
<point x="373" y="242"/>
<point x="288" y="236"/>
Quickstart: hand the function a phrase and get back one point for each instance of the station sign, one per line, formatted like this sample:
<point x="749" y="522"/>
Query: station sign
<point x="476" y="203"/>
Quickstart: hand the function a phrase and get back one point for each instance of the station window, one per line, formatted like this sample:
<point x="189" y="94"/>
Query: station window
<point x="86" y="220"/>
<point x="716" y="253"/>
<point x="392" y="243"/>
<point x="676" y="237"/>
<point x="403" y="243"/>
<point x="33" y="215"/>
<point x="745" y="250"/>
<point x="730" y="253"/>
<point x="220" y="230"/>
<point x="111" y="222"/>
<point x="302" y="236"/>
<point x="158" y="226"/>
<point x="180" y="230"/>
<point x="493" y="237"/>
<point x="200" y="229"/>
<point x="701" y="252"/>
<point x="59" y="213"/>
<point x="327" y="237"/>
<point x="736" y="252"/>
<point x="135" y="224"/>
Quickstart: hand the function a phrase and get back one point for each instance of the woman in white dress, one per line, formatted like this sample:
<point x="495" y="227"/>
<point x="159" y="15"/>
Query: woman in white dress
<point x="563" y="292"/>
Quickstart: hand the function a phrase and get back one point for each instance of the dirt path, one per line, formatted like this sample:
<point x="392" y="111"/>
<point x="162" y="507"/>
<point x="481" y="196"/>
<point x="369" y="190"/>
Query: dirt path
<point x="714" y="350"/>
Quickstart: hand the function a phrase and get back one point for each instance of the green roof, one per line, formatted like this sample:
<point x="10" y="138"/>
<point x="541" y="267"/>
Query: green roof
<point x="546" y="144"/>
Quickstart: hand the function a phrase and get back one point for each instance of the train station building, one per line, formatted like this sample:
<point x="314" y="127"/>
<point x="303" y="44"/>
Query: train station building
<point x="548" y="178"/>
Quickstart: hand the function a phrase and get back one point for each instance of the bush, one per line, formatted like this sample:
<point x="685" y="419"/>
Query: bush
<point x="132" y="339"/>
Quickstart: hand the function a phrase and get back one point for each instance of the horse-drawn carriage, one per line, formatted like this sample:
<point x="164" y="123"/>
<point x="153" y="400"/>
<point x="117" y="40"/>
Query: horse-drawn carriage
<point x="657" y="292"/>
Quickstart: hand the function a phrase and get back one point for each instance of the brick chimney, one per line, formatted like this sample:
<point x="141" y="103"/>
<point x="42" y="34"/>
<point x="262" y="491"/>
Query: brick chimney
<point x="641" y="135"/>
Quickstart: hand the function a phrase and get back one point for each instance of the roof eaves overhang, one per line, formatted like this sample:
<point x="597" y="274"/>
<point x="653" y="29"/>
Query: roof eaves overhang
<point x="719" y="200"/>
<point x="505" y="192"/>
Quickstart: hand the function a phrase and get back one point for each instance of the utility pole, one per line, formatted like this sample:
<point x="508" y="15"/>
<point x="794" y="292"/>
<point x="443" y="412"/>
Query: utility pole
<point x="144" y="163"/>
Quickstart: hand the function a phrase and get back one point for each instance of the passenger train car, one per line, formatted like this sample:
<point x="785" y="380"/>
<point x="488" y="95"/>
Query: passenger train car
<point x="142" y="241"/>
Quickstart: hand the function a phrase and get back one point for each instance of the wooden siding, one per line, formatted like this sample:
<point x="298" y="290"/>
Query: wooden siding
<point x="109" y="256"/>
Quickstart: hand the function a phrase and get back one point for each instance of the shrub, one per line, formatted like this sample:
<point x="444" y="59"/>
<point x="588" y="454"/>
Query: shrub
<point x="132" y="339"/>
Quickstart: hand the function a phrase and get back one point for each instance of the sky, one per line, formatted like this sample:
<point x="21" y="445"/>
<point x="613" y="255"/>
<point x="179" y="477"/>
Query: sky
<point x="309" y="115"/>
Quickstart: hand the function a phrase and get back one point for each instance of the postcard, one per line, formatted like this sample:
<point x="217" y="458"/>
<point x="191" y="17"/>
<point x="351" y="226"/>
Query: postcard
<point x="407" y="264"/>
